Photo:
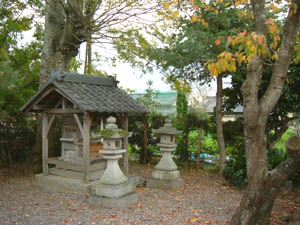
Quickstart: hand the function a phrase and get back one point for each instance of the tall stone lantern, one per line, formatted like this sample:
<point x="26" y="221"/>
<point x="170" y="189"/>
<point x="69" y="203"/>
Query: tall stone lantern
<point x="165" y="174"/>
<point x="114" y="190"/>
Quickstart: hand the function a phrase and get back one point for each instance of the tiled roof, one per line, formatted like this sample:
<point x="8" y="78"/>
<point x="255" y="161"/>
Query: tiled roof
<point x="90" y="93"/>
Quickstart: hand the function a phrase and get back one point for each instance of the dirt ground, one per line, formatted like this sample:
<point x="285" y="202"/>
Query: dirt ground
<point x="205" y="199"/>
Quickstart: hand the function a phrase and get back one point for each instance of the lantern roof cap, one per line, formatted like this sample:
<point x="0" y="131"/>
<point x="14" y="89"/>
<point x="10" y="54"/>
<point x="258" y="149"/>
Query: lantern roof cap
<point x="167" y="129"/>
<point x="112" y="131"/>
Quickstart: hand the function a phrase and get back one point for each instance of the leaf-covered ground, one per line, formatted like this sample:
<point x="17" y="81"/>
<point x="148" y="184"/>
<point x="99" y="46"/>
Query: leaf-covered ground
<point x="205" y="199"/>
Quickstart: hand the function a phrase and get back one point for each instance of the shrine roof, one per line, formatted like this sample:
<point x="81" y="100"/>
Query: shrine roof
<point x="89" y="94"/>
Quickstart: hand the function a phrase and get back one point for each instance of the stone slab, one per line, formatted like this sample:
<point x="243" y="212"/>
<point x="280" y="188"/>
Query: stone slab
<point x="93" y="175"/>
<point x="63" y="184"/>
<point x="112" y="191"/>
<point x="165" y="184"/>
<point x="99" y="165"/>
<point x="165" y="175"/>
<point x="120" y="202"/>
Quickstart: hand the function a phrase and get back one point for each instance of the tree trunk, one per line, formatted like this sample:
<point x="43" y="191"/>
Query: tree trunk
<point x="145" y="158"/>
<point x="258" y="199"/>
<point x="199" y="148"/>
<point x="7" y="154"/>
<point x="88" y="56"/>
<point x="186" y="151"/>
<point x="257" y="202"/>
<point x="219" y="123"/>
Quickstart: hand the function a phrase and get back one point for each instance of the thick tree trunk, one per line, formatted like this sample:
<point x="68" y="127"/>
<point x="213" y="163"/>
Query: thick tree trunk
<point x="54" y="25"/>
<point x="257" y="202"/>
<point x="65" y="30"/>
<point x="199" y="148"/>
<point x="219" y="123"/>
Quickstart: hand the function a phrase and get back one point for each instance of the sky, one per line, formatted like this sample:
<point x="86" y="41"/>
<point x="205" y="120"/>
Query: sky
<point x="136" y="80"/>
<point x="130" y="77"/>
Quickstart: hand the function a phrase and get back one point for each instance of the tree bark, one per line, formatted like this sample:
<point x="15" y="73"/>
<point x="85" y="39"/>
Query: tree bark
<point x="220" y="135"/>
<point x="263" y="185"/>
<point x="65" y="30"/>
<point x="186" y="150"/>
<point x="199" y="148"/>
<point x="257" y="202"/>
<point x="145" y="156"/>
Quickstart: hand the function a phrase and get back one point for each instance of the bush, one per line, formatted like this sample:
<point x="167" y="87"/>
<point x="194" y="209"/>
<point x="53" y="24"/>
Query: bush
<point x="237" y="178"/>
<point x="275" y="157"/>
<point x="209" y="144"/>
<point x="236" y="169"/>
<point x="136" y="125"/>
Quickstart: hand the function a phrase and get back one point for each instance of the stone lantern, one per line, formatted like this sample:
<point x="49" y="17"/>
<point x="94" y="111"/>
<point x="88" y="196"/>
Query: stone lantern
<point x="114" y="190"/>
<point x="165" y="174"/>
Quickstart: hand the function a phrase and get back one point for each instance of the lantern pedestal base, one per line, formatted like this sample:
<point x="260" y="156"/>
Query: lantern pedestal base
<point x="165" y="184"/>
<point x="165" y="175"/>
<point x="113" y="196"/>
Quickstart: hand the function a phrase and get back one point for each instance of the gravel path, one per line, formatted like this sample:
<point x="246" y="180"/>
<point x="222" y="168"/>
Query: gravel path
<point x="204" y="200"/>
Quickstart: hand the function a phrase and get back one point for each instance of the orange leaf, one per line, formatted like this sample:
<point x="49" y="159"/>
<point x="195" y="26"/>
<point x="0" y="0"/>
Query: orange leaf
<point x="244" y="33"/>
<point x="260" y="39"/>
<point x="218" y="42"/>
<point x="269" y="21"/>
<point x="229" y="39"/>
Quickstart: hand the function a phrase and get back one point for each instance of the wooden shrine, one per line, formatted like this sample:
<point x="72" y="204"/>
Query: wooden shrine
<point x="83" y="102"/>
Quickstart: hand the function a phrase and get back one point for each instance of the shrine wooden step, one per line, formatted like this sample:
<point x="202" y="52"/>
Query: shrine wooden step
<point x="94" y="175"/>
<point x="99" y="164"/>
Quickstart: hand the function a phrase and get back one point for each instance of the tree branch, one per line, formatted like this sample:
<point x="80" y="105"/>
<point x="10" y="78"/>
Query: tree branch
<point x="281" y="66"/>
<point x="289" y="166"/>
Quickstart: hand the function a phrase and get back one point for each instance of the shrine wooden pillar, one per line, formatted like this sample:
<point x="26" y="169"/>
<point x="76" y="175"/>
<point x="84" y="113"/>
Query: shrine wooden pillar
<point x="87" y="121"/>
<point x="46" y="125"/>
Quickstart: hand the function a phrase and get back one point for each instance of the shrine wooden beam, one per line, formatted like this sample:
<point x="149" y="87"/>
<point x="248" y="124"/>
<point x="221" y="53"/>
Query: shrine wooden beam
<point x="63" y="111"/>
<point x="79" y="124"/>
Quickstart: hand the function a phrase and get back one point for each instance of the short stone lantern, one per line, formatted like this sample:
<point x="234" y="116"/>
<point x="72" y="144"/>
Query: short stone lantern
<point x="165" y="174"/>
<point x="114" y="190"/>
